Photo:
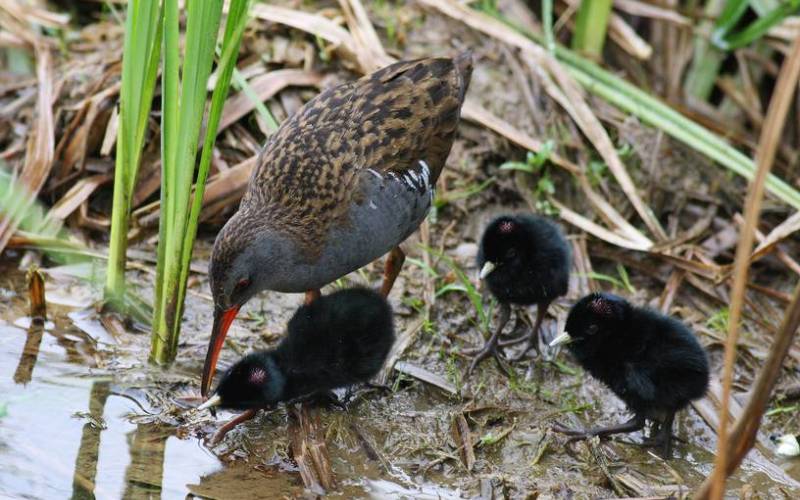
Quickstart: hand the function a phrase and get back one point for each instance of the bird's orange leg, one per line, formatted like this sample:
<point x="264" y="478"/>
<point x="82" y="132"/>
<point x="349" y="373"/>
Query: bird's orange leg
<point x="394" y="263"/>
<point x="312" y="295"/>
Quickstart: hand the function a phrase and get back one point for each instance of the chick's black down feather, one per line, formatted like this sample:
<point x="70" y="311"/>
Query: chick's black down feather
<point x="651" y="361"/>
<point x="336" y="341"/>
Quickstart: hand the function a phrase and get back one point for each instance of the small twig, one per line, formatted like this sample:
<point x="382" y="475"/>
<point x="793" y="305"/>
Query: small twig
<point x="426" y="376"/>
<point x="36" y="295"/>
<point x="403" y="342"/>
<point x="600" y="460"/>
<point x="309" y="449"/>
<point x="743" y="435"/>
<point x="714" y="486"/>
<point x="463" y="438"/>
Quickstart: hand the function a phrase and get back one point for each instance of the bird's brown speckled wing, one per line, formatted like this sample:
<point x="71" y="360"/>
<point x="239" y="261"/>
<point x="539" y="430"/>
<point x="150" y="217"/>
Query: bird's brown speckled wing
<point x="388" y="122"/>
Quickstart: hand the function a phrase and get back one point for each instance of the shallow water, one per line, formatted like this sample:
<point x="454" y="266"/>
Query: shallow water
<point x="66" y="427"/>
<point x="82" y="415"/>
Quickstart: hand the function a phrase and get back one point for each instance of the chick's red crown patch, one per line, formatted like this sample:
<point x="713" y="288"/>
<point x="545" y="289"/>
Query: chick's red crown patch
<point x="506" y="226"/>
<point x="601" y="306"/>
<point x="257" y="376"/>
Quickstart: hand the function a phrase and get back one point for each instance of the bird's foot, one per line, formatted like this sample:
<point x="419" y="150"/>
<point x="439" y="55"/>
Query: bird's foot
<point x="663" y="442"/>
<point x="574" y="434"/>
<point x="352" y="393"/>
<point x="229" y="425"/>
<point x="489" y="349"/>
<point x="530" y="341"/>
<point x="327" y="399"/>
<point x="634" y="424"/>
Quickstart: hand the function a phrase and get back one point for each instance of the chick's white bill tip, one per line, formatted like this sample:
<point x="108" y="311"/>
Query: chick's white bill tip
<point x="213" y="401"/>
<point x="562" y="338"/>
<point x="787" y="446"/>
<point x="487" y="269"/>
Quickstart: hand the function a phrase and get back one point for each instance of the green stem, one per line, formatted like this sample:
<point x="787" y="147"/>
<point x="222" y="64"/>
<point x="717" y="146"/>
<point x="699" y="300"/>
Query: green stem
<point x="184" y="104"/>
<point x="265" y="113"/>
<point x="756" y="29"/>
<point x="591" y="26"/>
<point x="141" y="51"/>
<point x="707" y="59"/>
<point x="118" y="244"/>
<point x="237" y="20"/>
<point x="547" y="25"/>
<point x="170" y="81"/>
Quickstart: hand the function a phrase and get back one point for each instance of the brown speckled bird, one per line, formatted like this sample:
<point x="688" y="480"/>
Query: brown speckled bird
<point x="341" y="183"/>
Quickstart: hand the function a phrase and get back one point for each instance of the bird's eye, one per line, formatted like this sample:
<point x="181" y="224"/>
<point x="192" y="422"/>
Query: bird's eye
<point x="241" y="285"/>
<point x="511" y="253"/>
<point x="592" y="329"/>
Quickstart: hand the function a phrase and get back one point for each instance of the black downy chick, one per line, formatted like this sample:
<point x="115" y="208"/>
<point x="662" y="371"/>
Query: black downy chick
<point x="524" y="259"/>
<point x="338" y="340"/>
<point x="651" y="361"/>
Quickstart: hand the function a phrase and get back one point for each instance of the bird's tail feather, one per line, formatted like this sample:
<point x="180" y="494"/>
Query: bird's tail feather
<point x="463" y="64"/>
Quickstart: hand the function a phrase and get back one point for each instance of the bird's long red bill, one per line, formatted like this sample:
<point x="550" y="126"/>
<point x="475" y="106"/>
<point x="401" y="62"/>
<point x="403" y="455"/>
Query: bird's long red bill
<point x="222" y="321"/>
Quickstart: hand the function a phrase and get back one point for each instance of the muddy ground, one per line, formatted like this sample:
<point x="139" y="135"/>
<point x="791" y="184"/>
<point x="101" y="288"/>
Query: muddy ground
<point x="94" y="416"/>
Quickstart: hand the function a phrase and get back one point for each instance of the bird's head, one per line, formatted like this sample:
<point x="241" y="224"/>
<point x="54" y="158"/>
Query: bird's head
<point x="255" y="381"/>
<point x="245" y="260"/>
<point x="593" y="321"/>
<point x="505" y="245"/>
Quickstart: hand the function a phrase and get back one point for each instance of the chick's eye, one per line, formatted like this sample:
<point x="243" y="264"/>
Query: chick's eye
<point x="592" y="329"/>
<point x="242" y="284"/>
<point x="511" y="253"/>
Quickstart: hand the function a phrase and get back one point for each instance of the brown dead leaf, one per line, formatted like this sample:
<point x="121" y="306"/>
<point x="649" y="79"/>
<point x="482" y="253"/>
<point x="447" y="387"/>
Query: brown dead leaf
<point x="39" y="155"/>
<point x="310" y="23"/>
<point x="73" y="198"/>
<point x="463" y="438"/>
<point x="265" y="87"/>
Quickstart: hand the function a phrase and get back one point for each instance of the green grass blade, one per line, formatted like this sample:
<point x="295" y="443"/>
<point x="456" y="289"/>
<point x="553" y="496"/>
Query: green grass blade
<point x="465" y="286"/>
<point x="141" y="51"/>
<point x="237" y="20"/>
<point x="591" y="26"/>
<point x="758" y="28"/>
<point x="730" y="15"/>
<point x="170" y="91"/>
<point x="185" y="94"/>
<point x="547" y="25"/>
<point x="262" y="110"/>
<point x="650" y="109"/>
<point x="187" y="107"/>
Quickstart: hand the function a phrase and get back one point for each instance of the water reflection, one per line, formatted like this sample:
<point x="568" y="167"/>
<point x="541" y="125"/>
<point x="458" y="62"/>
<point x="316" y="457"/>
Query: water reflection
<point x="145" y="473"/>
<point x="30" y="352"/>
<point x="66" y="435"/>
<point x="89" y="451"/>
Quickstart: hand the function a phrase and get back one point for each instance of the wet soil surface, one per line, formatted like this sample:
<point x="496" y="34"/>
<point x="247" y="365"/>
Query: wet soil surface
<point x="82" y="414"/>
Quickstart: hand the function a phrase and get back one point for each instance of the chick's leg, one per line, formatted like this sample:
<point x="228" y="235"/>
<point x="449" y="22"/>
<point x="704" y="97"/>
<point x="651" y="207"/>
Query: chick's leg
<point x="490" y="347"/>
<point x="229" y="425"/>
<point x="532" y="338"/>
<point x="634" y="424"/>
<point x="662" y="436"/>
